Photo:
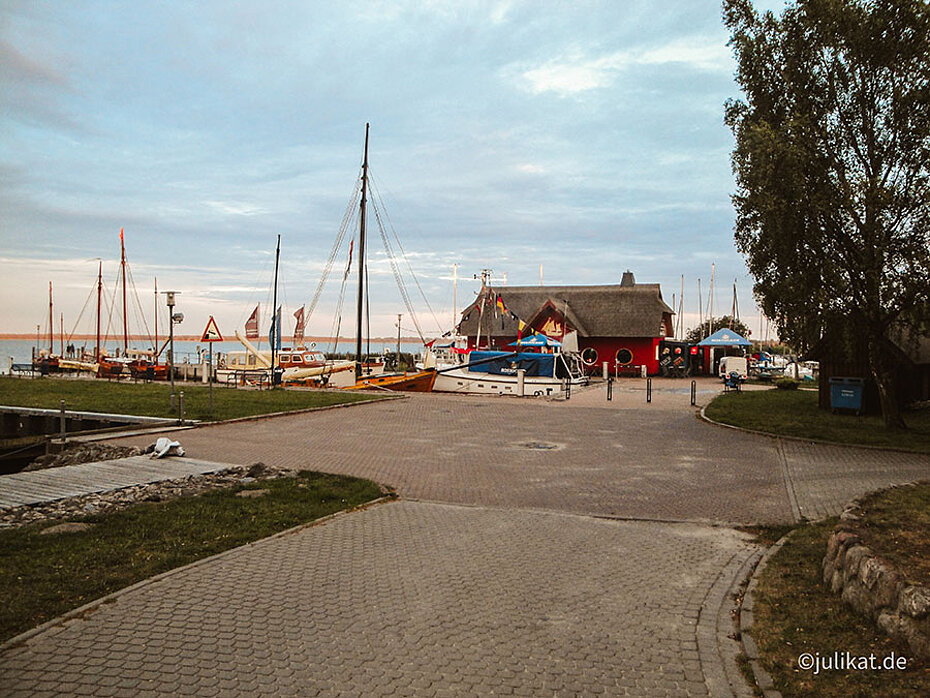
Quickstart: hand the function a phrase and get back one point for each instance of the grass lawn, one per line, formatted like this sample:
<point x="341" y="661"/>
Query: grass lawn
<point x="153" y="399"/>
<point x="896" y="525"/>
<point x="795" y="613"/>
<point x="795" y="413"/>
<point x="43" y="576"/>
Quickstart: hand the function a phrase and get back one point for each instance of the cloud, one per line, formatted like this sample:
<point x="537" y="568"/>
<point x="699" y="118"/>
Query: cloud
<point x="574" y="72"/>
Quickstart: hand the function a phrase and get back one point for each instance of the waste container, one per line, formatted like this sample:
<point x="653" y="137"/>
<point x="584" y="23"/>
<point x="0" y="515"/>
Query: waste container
<point x="846" y="394"/>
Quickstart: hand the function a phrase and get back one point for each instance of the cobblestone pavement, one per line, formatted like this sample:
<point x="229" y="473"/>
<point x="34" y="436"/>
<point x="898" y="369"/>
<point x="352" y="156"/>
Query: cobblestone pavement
<point x="411" y="598"/>
<point x="825" y="477"/>
<point x="505" y="452"/>
<point x="494" y="576"/>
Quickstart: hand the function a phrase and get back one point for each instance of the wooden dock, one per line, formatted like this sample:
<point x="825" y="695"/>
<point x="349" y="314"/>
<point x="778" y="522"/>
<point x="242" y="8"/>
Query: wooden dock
<point x="52" y="484"/>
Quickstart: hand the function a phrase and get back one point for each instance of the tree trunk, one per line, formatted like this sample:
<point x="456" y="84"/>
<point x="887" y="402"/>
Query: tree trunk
<point x="884" y="371"/>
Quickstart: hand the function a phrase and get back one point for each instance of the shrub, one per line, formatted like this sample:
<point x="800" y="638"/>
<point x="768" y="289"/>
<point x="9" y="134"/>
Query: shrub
<point x="787" y="383"/>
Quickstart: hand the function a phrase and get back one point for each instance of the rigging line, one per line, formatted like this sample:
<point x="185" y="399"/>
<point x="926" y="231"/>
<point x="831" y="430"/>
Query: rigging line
<point x="347" y="220"/>
<point x="387" y="215"/>
<point x="138" y="307"/>
<point x="337" y="318"/>
<point x="397" y="277"/>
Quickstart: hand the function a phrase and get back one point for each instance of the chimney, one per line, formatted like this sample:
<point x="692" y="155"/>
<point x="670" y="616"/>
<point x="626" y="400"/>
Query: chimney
<point x="627" y="281"/>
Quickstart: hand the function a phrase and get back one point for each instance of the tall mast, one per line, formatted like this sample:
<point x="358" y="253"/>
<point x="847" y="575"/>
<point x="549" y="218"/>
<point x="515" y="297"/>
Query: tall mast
<point x="61" y="335"/>
<point x="274" y="309"/>
<point x="361" y="261"/>
<point x="455" y="302"/>
<point x="122" y="248"/>
<point x="99" y="299"/>
<point x="51" y="322"/>
<point x="155" y="348"/>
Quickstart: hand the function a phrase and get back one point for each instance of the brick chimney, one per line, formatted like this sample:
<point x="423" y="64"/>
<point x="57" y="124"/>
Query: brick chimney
<point x="627" y="281"/>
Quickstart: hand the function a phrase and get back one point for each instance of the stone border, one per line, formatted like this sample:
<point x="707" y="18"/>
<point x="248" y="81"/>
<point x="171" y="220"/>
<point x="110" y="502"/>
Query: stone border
<point x="750" y="649"/>
<point x="873" y="587"/>
<point x="89" y="608"/>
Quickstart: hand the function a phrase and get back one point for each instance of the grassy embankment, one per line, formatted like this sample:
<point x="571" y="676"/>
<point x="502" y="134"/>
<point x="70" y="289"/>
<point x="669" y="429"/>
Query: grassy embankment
<point x="795" y="612"/>
<point x="43" y="576"/>
<point x="153" y="399"/>
<point x="795" y="413"/>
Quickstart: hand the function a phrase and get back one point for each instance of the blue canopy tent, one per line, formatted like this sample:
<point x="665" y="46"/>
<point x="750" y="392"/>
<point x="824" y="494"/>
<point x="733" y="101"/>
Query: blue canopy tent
<point x="724" y="338"/>
<point x="536" y="340"/>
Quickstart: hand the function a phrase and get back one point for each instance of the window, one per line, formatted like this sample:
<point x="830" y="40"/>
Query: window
<point x="624" y="357"/>
<point x="589" y="356"/>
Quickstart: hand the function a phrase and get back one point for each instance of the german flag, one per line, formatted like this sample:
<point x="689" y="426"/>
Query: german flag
<point x="500" y="303"/>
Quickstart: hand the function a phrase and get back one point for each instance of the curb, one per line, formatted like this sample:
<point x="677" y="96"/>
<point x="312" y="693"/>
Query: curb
<point x="750" y="649"/>
<point x="92" y="606"/>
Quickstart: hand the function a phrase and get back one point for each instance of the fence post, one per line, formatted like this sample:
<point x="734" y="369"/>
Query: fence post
<point x="610" y="388"/>
<point x="62" y="421"/>
<point x="181" y="409"/>
<point x="693" y="393"/>
<point x="649" y="390"/>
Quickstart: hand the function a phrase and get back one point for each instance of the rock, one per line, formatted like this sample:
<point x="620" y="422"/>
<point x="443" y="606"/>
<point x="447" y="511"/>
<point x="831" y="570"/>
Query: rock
<point x="252" y="494"/>
<point x="915" y="601"/>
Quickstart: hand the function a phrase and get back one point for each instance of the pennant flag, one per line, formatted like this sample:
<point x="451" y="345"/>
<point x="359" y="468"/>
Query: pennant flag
<point x="251" y="325"/>
<point x="299" y="330"/>
<point x="500" y="303"/>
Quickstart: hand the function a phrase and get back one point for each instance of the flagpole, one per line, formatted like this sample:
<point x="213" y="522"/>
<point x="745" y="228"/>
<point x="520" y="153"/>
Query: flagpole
<point x="274" y="312"/>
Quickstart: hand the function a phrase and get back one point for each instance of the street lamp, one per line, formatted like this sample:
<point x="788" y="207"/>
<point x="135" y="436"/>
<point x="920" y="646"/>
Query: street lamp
<point x="174" y="318"/>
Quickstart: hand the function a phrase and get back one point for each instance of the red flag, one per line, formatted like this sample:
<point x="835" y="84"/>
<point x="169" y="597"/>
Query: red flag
<point x="251" y="325"/>
<point x="299" y="330"/>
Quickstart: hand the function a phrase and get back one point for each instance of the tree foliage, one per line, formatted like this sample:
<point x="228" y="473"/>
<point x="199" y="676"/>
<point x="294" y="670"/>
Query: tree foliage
<point x="708" y="327"/>
<point x="831" y="164"/>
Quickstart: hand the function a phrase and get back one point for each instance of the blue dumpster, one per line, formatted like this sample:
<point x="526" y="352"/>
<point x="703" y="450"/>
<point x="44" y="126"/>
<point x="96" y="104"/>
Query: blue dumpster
<point x="846" y="394"/>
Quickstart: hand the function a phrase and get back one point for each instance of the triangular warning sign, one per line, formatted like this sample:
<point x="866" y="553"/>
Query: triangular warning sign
<point x="212" y="333"/>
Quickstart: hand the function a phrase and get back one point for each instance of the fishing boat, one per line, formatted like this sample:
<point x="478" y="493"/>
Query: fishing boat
<point x="537" y="367"/>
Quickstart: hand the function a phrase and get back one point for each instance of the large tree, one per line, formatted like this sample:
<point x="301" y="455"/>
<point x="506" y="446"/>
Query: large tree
<point x="831" y="164"/>
<point x="708" y="327"/>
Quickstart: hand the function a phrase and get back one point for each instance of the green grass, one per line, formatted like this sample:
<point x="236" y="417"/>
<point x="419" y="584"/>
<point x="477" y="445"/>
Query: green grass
<point x="896" y="525"/>
<point x="43" y="576"/>
<point x="795" y="413"/>
<point x="153" y="399"/>
<point x="796" y="613"/>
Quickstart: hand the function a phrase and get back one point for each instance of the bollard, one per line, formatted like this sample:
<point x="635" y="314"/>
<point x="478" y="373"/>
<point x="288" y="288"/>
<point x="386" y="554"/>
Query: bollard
<point x="693" y="393"/>
<point x="649" y="390"/>
<point x="521" y="382"/>
<point x="62" y="428"/>
<point x="568" y="388"/>
<point x="181" y="408"/>
<point x="610" y="389"/>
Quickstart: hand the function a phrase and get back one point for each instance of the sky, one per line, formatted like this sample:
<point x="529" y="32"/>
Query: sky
<point x="571" y="141"/>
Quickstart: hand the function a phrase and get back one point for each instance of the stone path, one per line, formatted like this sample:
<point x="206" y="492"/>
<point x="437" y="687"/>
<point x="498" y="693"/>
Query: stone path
<point x="539" y="549"/>
<point x="86" y="478"/>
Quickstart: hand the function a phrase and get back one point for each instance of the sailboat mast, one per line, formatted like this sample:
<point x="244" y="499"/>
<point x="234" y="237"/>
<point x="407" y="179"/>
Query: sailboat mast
<point x="361" y="261"/>
<point x="99" y="300"/>
<point x="274" y="309"/>
<point x="51" y="322"/>
<point x="155" y="348"/>
<point x="122" y="248"/>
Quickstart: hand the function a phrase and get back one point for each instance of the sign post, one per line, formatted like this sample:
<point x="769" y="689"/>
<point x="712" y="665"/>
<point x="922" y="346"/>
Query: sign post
<point x="211" y="334"/>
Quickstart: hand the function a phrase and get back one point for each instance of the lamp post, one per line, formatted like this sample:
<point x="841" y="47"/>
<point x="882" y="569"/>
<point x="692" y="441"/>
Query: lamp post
<point x="172" y="319"/>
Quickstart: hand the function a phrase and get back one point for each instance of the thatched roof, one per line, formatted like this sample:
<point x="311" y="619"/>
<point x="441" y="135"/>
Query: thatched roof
<point x="616" y="310"/>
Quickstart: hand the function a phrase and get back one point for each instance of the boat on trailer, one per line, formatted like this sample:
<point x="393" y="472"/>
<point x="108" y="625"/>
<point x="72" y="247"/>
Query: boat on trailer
<point x="512" y="373"/>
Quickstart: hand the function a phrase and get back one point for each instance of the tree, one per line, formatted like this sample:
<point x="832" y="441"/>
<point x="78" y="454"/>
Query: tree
<point x="831" y="164"/>
<point x="708" y="327"/>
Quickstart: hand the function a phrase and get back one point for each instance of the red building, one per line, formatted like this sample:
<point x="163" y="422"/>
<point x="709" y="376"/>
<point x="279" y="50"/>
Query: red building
<point x="621" y="324"/>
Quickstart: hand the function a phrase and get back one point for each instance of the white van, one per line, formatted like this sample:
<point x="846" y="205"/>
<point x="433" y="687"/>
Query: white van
<point x="729" y="364"/>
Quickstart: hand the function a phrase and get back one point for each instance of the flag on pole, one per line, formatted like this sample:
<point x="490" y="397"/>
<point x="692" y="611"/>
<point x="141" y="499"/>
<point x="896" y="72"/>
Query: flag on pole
<point x="500" y="303"/>
<point x="299" y="329"/>
<point x="251" y="325"/>
<point x="274" y="336"/>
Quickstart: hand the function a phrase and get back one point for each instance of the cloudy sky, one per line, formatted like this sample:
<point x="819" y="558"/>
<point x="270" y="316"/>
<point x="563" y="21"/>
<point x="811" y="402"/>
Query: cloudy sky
<point x="585" y="137"/>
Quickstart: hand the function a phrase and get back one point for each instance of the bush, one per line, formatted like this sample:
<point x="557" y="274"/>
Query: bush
<point x="787" y="383"/>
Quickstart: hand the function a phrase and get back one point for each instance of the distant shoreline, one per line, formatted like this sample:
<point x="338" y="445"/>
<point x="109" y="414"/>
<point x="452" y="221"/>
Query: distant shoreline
<point x="24" y="336"/>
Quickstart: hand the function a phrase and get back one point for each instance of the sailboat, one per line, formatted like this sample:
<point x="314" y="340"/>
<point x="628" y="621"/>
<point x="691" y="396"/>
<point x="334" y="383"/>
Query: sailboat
<point x="414" y="381"/>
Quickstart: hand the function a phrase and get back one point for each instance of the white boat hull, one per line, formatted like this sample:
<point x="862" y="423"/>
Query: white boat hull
<point x="465" y="381"/>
